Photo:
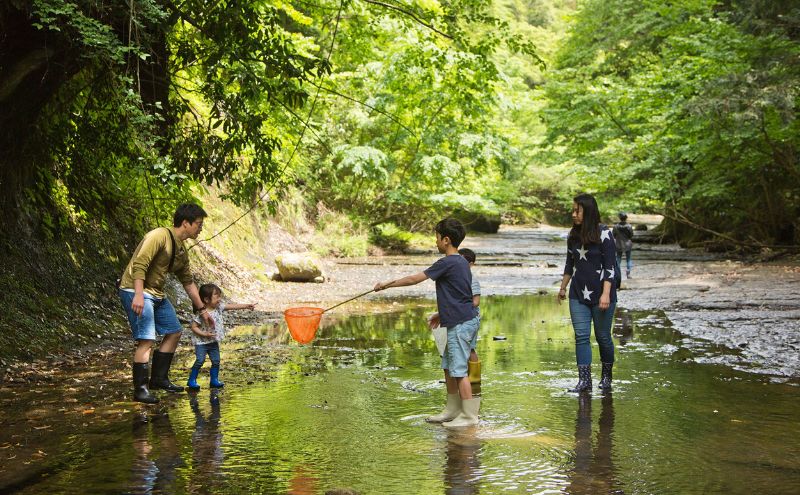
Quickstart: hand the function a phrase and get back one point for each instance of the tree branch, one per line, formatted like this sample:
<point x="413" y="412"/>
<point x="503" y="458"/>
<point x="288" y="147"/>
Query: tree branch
<point x="409" y="14"/>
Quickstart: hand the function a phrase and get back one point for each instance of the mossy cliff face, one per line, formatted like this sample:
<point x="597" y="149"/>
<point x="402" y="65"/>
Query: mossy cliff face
<point x="58" y="289"/>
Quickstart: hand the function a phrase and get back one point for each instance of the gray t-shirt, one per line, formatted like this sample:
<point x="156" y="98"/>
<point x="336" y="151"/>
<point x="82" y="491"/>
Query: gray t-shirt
<point x="476" y="291"/>
<point x="453" y="289"/>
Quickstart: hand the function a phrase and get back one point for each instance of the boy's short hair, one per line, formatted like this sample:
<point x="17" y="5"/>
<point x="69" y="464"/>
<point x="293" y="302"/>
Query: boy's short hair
<point x="452" y="229"/>
<point x="208" y="290"/>
<point x="468" y="254"/>
<point x="189" y="212"/>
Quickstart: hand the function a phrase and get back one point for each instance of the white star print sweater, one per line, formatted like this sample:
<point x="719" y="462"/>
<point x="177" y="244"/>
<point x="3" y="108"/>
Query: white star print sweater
<point x="590" y="265"/>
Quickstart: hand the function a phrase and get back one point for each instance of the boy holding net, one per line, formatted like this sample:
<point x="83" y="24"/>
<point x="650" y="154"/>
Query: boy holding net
<point x="474" y="363"/>
<point x="456" y="312"/>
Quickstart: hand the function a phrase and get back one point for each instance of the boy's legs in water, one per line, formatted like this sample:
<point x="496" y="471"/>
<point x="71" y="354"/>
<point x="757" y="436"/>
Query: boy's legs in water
<point x="460" y="385"/>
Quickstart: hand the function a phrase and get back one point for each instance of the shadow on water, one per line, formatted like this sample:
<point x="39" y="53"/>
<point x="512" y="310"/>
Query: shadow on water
<point x="346" y="415"/>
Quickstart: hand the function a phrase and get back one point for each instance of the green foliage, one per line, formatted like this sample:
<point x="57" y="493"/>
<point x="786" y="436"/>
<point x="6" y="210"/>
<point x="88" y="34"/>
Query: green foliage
<point x="390" y="236"/>
<point x="338" y="235"/>
<point x="396" y="239"/>
<point x="678" y="107"/>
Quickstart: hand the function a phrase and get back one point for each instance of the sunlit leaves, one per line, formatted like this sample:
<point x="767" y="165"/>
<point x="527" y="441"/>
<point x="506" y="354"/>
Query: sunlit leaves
<point x="675" y="105"/>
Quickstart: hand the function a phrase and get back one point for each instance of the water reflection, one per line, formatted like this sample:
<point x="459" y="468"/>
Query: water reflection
<point x="207" y="453"/>
<point x="594" y="470"/>
<point x="156" y="454"/>
<point x="623" y="327"/>
<point x="462" y="466"/>
<point x="304" y="481"/>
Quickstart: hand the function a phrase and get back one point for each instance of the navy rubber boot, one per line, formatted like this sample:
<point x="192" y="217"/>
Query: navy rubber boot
<point x="584" y="379"/>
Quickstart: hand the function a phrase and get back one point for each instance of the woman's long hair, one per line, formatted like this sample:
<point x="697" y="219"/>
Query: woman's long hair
<point x="588" y="232"/>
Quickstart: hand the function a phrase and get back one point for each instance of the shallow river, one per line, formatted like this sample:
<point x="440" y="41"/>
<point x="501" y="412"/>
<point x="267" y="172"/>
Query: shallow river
<point x="347" y="412"/>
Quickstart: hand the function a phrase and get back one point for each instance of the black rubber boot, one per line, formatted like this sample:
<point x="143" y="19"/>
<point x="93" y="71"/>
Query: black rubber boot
<point x="605" y="377"/>
<point x="584" y="379"/>
<point x="160" y="377"/>
<point x="141" y="373"/>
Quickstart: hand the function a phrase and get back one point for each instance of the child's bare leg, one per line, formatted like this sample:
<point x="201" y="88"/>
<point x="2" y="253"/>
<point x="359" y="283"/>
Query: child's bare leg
<point x="473" y="356"/>
<point x="142" y="352"/>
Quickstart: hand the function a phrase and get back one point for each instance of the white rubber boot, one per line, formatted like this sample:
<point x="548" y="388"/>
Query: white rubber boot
<point x="451" y="410"/>
<point x="469" y="414"/>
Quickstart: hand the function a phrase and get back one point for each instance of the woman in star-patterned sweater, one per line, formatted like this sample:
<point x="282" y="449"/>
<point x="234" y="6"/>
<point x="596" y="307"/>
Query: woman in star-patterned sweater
<point x="591" y="265"/>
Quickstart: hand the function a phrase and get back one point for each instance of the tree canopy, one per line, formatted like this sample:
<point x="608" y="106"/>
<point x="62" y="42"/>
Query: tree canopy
<point x="687" y="108"/>
<point x="398" y="112"/>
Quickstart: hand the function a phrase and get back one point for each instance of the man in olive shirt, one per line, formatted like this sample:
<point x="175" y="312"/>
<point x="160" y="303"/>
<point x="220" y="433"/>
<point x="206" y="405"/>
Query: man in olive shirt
<point x="149" y="311"/>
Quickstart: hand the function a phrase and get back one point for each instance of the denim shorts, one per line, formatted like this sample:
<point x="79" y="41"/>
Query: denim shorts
<point x="459" y="342"/>
<point x="158" y="316"/>
<point x="474" y="344"/>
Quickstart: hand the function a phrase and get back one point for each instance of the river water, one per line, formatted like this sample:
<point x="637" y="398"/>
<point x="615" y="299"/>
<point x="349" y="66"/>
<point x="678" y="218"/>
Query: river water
<point x="347" y="413"/>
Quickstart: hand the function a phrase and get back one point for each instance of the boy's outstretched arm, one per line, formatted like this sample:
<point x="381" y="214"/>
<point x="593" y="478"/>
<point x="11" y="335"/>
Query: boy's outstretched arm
<point x="402" y="282"/>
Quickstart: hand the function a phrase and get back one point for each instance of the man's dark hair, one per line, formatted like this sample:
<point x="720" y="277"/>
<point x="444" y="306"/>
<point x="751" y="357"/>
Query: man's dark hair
<point x="189" y="212"/>
<point x="208" y="290"/>
<point x="452" y="229"/>
<point x="623" y="216"/>
<point x="468" y="254"/>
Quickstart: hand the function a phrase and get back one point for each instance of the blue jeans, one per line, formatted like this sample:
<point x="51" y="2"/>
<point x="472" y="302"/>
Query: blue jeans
<point x="582" y="318"/>
<point x="628" y="260"/>
<point x="200" y="352"/>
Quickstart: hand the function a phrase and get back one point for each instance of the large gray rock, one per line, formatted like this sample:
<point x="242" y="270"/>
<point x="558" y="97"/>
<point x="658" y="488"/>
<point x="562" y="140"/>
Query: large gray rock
<point x="298" y="267"/>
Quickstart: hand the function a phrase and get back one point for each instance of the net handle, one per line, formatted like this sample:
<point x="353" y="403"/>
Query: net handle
<point x="356" y="297"/>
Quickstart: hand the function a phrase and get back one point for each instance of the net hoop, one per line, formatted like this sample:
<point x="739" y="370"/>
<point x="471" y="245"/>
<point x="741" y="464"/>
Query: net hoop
<point x="303" y="323"/>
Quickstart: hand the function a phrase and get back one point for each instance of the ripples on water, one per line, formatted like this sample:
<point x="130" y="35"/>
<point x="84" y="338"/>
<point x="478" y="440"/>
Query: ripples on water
<point x="348" y="412"/>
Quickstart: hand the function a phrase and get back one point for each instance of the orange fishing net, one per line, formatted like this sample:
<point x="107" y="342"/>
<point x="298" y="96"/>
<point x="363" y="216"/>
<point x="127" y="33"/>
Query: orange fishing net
<point x="303" y="323"/>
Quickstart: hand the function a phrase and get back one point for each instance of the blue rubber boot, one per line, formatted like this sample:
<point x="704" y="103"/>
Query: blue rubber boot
<point x="192" y="383"/>
<point x="215" y="383"/>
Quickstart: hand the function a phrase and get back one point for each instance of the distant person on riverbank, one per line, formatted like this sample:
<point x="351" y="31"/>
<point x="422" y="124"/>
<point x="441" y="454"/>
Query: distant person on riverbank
<point x="141" y="291"/>
<point x="457" y="313"/>
<point x="590" y="265"/>
<point x="206" y="338"/>
<point x="623" y="238"/>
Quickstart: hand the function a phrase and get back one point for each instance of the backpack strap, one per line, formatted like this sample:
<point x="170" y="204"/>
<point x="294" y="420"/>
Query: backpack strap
<point x="174" y="248"/>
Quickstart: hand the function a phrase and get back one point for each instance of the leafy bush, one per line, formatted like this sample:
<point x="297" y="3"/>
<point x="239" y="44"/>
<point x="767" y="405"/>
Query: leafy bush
<point x="390" y="236"/>
<point x="338" y="235"/>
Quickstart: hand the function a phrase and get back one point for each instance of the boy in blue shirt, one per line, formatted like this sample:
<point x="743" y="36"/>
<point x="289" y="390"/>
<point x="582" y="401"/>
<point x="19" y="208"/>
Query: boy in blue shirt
<point x="456" y="313"/>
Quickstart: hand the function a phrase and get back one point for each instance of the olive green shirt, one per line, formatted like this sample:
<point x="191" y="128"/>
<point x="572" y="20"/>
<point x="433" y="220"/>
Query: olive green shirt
<point x="150" y="262"/>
